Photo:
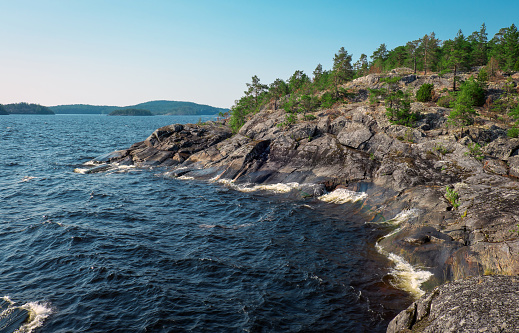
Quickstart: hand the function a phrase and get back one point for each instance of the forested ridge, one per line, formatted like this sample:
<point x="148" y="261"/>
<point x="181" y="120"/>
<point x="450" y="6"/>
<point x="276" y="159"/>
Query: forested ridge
<point x="156" y="107"/>
<point x="491" y="61"/>
<point x="26" y="108"/>
<point x="130" y="112"/>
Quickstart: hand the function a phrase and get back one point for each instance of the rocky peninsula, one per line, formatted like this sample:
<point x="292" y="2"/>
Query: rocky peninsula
<point x="456" y="185"/>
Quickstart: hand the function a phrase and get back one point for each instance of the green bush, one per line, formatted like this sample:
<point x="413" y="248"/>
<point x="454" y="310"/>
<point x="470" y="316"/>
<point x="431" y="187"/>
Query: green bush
<point x="309" y="117"/>
<point x="513" y="132"/>
<point x="452" y="196"/>
<point x="446" y="101"/>
<point x="424" y="94"/>
<point x="475" y="151"/>
<point x="398" y="109"/>
<point x="327" y="100"/>
<point x="375" y="94"/>
<point x="473" y="91"/>
<point x="445" y="71"/>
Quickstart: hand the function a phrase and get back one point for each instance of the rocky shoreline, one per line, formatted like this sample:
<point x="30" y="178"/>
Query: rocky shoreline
<point x="354" y="146"/>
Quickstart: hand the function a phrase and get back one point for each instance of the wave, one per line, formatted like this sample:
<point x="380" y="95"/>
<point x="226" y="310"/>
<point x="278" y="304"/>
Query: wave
<point x="406" y="276"/>
<point x="248" y="187"/>
<point x="22" y="319"/>
<point x="90" y="167"/>
<point x="342" y="195"/>
<point x="27" y="178"/>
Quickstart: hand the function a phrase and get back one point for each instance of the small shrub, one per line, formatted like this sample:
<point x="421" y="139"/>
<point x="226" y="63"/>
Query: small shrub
<point x="513" y="132"/>
<point x="475" y="151"/>
<point x="309" y="117"/>
<point x="441" y="149"/>
<point x="473" y="91"/>
<point x="290" y="118"/>
<point x="446" y="101"/>
<point x="452" y="197"/>
<point x="424" y="94"/>
<point x="483" y="75"/>
<point x="327" y="100"/>
<point x="375" y="95"/>
<point x="445" y="71"/>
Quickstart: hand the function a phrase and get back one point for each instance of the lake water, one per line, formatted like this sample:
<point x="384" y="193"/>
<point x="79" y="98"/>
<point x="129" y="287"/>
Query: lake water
<point x="135" y="251"/>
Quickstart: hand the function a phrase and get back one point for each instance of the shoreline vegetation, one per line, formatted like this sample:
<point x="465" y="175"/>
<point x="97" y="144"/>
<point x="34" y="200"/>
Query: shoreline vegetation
<point x="430" y="127"/>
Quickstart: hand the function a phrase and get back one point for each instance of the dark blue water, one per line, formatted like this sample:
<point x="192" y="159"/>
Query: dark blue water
<point x="137" y="252"/>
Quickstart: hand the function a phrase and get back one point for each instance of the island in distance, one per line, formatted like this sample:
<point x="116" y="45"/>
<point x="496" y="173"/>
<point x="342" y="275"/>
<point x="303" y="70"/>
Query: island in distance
<point x="130" y="112"/>
<point x="155" y="107"/>
<point x="25" y="108"/>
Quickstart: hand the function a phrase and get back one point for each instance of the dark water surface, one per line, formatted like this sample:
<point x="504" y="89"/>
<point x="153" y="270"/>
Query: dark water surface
<point x="137" y="252"/>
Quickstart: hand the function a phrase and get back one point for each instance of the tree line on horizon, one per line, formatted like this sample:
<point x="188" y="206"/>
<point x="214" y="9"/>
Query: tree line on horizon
<point x="301" y="93"/>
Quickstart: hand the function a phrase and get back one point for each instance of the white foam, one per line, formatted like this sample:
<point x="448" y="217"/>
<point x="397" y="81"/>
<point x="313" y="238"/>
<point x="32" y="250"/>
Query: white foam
<point x="404" y="215"/>
<point x="27" y="178"/>
<point x="186" y="178"/>
<point x="81" y="170"/>
<point x="342" y="195"/>
<point x="276" y="188"/>
<point x="248" y="187"/>
<point x="38" y="313"/>
<point x="407" y="277"/>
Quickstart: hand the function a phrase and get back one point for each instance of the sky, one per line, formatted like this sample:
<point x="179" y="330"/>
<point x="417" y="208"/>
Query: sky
<point x="125" y="52"/>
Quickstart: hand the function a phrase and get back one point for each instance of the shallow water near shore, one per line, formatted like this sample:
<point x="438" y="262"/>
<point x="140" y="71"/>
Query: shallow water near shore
<point x="134" y="250"/>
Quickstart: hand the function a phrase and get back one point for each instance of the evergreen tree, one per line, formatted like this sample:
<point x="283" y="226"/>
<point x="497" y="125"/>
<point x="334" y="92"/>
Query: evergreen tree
<point x="396" y="57"/>
<point x="361" y="66"/>
<point x="278" y="89"/>
<point x="456" y="54"/>
<point x="297" y="81"/>
<point x="428" y="46"/>
<point x="342" y="69"/>
<point x="255" y="89"/>
<point x="505" y="48"/>
<point x="318" y="71"/>
<point x="479" y="46"/>
<point x="412" y="52"/>
<point x="471" y="94"/>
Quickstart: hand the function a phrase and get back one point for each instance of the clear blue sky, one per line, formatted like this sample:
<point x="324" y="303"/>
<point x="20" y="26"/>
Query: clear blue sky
<point x="123" y="52"/>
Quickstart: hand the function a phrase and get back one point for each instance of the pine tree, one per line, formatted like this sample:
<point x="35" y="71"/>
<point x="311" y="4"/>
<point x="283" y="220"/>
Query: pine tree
<point x="278" y="89"/>
<point x="255" y="89"/>
<point x="428" y="46"/>
<point x="456" y="54"/>
<point x="479" y="46"/>
<point x="342" y="69"/>
<point x="361" y="66"/>
<point x="412" y="52"/>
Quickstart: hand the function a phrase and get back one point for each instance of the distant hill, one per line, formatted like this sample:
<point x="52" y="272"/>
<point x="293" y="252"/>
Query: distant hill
<point x="2" y="111"/>
<point x="82" y="109"/>
<point x="130" y="112"/>
<point x="26" y="108"/>
<point x="155" y="107"/>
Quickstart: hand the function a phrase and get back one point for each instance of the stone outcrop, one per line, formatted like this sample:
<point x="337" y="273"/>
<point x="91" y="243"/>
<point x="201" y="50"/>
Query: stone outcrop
<point x="354" y="145"/>
<point x="478" y="304"/>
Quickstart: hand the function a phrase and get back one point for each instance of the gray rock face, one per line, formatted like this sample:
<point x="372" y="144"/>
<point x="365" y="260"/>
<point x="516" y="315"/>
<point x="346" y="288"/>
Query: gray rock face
<point x="479" y="304"/>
